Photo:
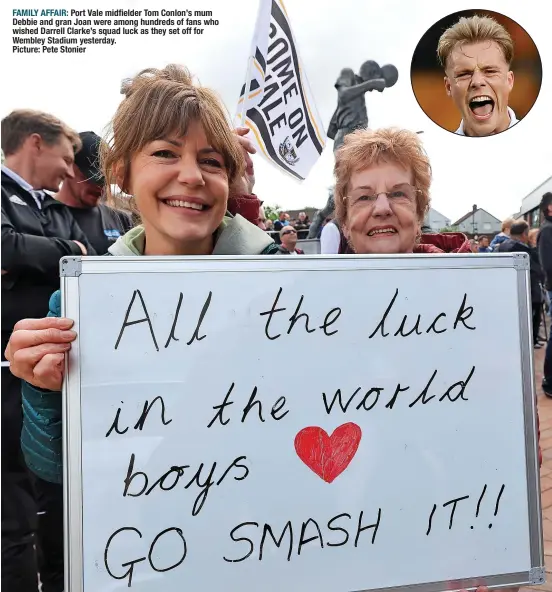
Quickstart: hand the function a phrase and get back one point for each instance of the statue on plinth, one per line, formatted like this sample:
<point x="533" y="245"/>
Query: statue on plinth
<point x="351" y="113"/>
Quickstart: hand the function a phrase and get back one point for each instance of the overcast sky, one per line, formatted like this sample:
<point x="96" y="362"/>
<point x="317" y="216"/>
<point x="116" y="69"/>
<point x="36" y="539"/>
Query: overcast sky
<point x="495" y="173"/>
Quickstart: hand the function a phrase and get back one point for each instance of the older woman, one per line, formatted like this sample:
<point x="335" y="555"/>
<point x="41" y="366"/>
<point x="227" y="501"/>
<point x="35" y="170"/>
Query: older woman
<point x="382" y="195"/>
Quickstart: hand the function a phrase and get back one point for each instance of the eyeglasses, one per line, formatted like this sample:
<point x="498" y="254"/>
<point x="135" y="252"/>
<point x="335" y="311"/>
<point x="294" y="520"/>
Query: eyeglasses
<point x="399" y="194"/>
<point x="290" y="231"/>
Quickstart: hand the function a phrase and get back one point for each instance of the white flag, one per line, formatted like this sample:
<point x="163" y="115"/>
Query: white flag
<point x="276" y="102"/>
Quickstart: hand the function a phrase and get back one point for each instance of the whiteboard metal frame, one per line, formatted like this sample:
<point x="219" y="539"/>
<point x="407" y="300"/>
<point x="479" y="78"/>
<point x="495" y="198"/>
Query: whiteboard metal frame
<point x="72" y="267"/>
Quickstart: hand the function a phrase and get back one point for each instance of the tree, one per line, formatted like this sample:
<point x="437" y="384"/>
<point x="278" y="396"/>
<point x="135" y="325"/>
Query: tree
<point x="449" y="229"/>
<point x="272" y="212"/>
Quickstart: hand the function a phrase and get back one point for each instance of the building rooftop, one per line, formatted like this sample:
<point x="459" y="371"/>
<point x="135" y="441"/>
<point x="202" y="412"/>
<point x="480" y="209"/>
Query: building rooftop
<point x="471" y="213"/>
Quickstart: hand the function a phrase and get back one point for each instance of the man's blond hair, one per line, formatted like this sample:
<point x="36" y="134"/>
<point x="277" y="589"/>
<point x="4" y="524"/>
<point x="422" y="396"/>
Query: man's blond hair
<point x="474" y="30"/>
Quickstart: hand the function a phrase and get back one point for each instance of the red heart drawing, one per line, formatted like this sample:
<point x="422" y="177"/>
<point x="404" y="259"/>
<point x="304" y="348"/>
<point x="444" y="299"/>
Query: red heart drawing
<point x="328" y="456"/>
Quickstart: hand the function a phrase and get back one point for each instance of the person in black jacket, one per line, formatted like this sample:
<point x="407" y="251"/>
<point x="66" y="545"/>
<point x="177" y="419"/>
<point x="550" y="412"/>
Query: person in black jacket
<point x="544" y="244"/>
<point x="537" y="313"/>
<point x="37" y="231"/>
<point x="81" y="193"/>
<point x="519" y="243"/>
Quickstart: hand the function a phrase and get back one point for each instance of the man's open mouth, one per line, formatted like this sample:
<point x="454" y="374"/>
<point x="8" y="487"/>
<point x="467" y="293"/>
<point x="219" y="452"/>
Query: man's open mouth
<point x="482" y="107"/>
<point x="178" y="203"/>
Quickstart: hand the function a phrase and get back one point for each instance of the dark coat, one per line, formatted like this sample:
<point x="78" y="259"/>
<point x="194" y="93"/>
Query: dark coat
<point x="514" y="246"/>
<point x="33" y="242"/>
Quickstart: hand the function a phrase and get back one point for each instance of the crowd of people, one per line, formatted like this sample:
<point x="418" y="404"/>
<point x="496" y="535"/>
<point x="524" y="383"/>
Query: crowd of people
<point x="189" y="177"/>
<point x="518" y="237"/>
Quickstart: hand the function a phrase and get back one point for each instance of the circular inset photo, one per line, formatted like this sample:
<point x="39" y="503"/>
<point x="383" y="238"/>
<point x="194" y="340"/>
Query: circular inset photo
<point x="476" y="73"/>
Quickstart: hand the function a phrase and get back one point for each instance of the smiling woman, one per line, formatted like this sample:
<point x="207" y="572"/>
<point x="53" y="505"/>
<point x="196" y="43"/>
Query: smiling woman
<point x="382" y="194"/>
<point x="171" y="149"/>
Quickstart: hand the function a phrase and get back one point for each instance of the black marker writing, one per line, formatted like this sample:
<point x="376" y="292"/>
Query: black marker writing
<point x="498" y="499"/>
<point x="296" y="316"/>
<point x="462" y="384"/>
<point x="433" y="326"/>
<point x="383" y="326"/>
<point x="243" y="538"/>
<point x="374" y="526"/>
<point x="270" y="313"/>
<point x="267" y="529"/>
<point x="398" y="390"/>
<point x="331" y="317"/>
<point x="277" y="412"/>
<point x="333" y="528"/>
<point x="431" y="519"/>
<point x="128" y="574"/>
<point x="415" y="328"/>
<point x="202" y="314"/>
<point x="141" y="420"/>
<point x="220" y="408"/>
<point x="195" y="336"/>
<point x="497" y="502"/>
<point x="137" y="483"/>
<point x="171" y="334"/>
<point x="479" y="501"/>
<point x="479" y="508"/>
<point x="303" y="540"/>
<point x="252" y="403"/>
<point x="309" y="532"/>
<point x="370" y="397"/>
<point x="146" y="319"/>
<point x="147" y="408"/>
<point x="115" y="425"/>
<point x="422" y="396"/>
<point x="454" y="502"/>
<point x="464" y="314"/>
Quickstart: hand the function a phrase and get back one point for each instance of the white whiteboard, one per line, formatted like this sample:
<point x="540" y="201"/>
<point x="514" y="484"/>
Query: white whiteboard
<point x="413" y="456"/>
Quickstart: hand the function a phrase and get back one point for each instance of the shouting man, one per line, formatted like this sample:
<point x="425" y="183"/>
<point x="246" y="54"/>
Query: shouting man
<point x="476" y="54"/>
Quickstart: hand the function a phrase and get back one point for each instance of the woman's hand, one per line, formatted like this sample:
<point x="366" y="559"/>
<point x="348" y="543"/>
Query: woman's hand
<point x="245" y="184"/>
<point x="245" y="143"/>
<point x="36" y="351"/>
